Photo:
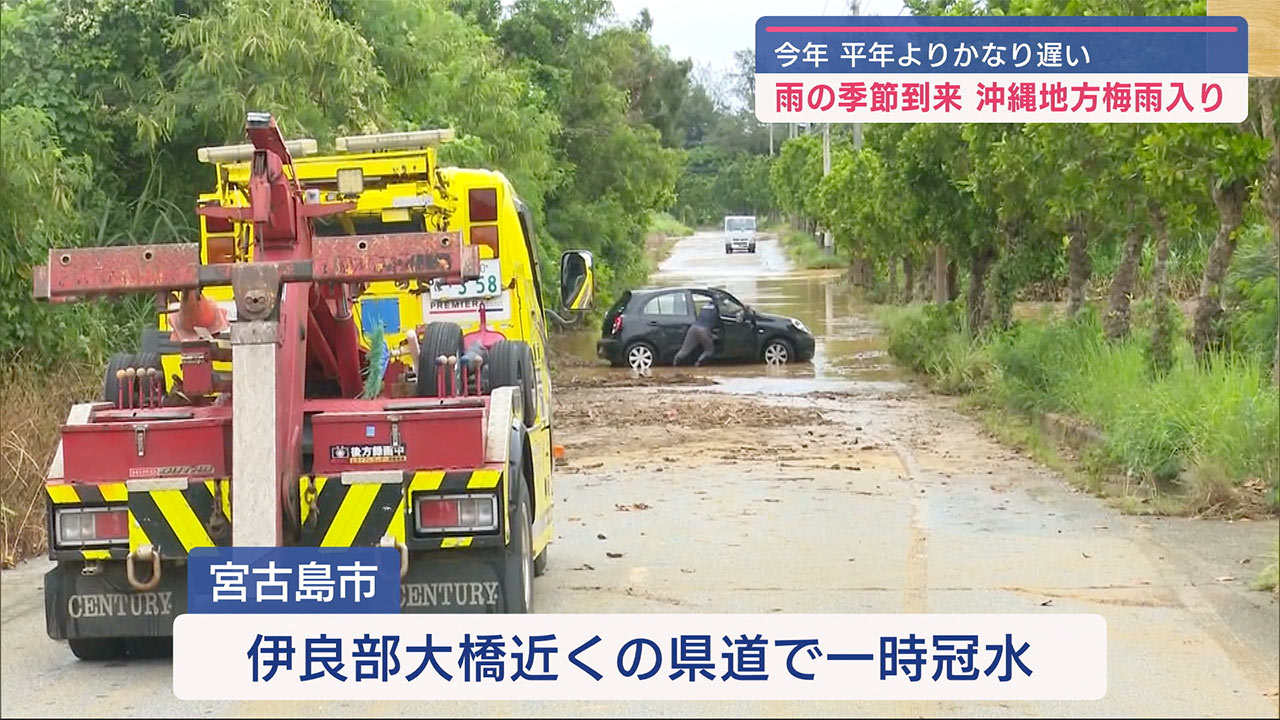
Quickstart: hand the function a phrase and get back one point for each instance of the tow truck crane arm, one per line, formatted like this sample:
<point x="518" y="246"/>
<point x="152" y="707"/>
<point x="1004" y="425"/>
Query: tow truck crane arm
<point x="282" y="296"/>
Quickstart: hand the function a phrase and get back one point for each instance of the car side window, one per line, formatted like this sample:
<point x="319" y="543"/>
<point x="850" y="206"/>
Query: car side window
<point x="672" y="303"/>
<point x="730" y="307"/>
<point x="701" y="300"/>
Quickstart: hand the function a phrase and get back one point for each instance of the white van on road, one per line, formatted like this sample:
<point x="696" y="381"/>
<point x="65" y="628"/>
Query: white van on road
<point x="739" y="233"/>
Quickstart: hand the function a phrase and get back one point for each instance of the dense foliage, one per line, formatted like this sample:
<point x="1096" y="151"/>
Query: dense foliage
<point x="1128" y="217"/>
<point x="105" y="102"/>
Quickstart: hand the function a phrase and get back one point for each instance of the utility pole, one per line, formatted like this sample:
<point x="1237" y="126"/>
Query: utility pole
<point x="826" y="170"/>
<point x="855" y="8"/>
<point x="770" y="139"/>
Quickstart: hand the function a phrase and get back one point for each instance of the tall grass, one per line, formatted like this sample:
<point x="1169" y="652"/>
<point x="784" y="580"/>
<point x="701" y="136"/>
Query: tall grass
<point x="665" y="224"/>
<point x="806" y="251"/>
<point x="1214" y="425"/>
<point x="32" y="406"/>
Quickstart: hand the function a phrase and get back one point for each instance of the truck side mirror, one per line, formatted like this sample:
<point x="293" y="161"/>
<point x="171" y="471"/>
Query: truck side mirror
<point x="577" y="281"/>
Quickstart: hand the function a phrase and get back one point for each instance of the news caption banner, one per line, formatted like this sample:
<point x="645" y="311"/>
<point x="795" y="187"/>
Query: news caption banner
<point x="324" y="623"/>
<point x="1002" y="69"/>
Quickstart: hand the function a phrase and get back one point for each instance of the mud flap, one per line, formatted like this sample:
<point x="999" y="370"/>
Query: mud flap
<point x="104" y="605"/>
<point x="454" y="581"/>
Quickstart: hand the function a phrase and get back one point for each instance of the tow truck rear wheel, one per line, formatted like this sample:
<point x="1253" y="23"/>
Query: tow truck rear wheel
<point x="94" y="649"/>
<point x="150" y="648"/>
<point x="440" y="338"/>
<point x="511" y="365"/>
<point x="517" y="571"/>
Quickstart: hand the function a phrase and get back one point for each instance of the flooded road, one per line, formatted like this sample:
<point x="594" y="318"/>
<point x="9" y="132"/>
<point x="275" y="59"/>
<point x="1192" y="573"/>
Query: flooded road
<point x="838" y="486"/>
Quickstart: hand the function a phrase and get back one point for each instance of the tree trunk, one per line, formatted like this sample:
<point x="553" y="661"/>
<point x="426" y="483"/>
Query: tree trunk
<point x="1269" y="104"/>
<point x="908" y="279"/>
<point x="1000" y="291"/>
<point x="979" y="264"/>
<point x="953" y="287"/>
<point x="1161" y="353"/>
<point x="892" y="294"/>
<point x="1117" y="320"/>
<point x="1079" y="268"/>
<point x="1230" y="201"/>
<point x="860" y="272"/>
<point x="940" y="292"/>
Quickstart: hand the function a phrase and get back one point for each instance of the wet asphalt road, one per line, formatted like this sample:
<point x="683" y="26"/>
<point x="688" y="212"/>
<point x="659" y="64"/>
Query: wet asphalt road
<point x="937" y="518"/>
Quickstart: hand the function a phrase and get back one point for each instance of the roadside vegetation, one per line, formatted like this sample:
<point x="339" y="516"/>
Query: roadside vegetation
<point x="663" y="224"/>
<point x="105" y="103"/>
<point x="806" y="251"/>
<point x="1152" y="251"/>
<point x="1198" y="438"/>
<point x="663" y="232"/>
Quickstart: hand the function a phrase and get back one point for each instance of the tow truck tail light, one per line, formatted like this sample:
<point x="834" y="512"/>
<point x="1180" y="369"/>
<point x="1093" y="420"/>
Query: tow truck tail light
<point x="456" y="513"/>
<point x="92" y="526"/>
<point x="617" y="325"/>
<point x="482" y="204"/>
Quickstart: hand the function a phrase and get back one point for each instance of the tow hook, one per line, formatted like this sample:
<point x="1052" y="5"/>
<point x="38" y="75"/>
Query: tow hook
<point x="388" y="541"/>
<point x="143" y="553"/>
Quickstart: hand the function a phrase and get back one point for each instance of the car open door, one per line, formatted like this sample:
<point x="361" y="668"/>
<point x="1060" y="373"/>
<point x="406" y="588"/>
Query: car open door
<point x="738" y="326"/>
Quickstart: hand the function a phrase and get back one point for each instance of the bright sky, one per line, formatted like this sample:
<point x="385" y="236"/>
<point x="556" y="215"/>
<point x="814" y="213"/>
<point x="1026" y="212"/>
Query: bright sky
<point x="709" y="31"/>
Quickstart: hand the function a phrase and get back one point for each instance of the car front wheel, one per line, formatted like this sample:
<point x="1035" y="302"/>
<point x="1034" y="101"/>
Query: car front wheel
<point x="778" y="352"/>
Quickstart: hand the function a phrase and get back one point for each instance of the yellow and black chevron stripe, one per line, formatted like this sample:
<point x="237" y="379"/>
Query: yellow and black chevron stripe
<point x="87" y="494"/>
<point x="175" y="521"/>
<point x="359" y="514"/>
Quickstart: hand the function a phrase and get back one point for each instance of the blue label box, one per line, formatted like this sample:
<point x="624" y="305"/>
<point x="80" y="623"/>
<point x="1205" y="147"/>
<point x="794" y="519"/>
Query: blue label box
<point x="293" y="580"/>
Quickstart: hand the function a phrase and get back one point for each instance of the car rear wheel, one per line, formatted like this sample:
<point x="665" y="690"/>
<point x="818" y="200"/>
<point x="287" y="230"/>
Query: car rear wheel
<point x="778" y="352"/>
<point x="640" y="356"/>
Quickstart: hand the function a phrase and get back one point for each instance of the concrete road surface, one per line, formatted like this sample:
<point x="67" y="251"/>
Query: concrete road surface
<point x="836" y="486"/>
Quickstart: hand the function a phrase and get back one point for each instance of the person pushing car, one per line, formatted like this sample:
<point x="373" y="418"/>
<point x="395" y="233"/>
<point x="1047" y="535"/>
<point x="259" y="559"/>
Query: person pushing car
<point x="699" y="336"/>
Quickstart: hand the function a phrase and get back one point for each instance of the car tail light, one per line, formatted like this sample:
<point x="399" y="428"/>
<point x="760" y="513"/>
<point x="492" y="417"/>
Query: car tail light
<point x="483" y="204"/>
<point x="617" y="325"/>
<point x="92" y="526"/>
<point x="456" y="513"/>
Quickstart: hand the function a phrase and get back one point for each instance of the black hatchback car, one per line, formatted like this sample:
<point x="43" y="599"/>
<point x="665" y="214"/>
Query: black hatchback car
<point x="646" y="327"/>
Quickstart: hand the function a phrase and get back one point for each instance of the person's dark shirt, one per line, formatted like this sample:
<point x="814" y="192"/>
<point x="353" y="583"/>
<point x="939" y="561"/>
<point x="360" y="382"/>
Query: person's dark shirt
<point x="708" y="317"/>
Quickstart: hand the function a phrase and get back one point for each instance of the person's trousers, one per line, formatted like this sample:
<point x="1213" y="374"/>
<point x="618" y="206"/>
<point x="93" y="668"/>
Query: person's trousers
<point x="696" y="337"/>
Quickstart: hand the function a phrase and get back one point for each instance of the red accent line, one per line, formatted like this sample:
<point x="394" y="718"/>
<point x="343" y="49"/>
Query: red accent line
<point x="1005" y="28"/>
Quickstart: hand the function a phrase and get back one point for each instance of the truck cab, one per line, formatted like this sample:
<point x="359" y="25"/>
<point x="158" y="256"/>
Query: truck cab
<point x="739" y="233"/>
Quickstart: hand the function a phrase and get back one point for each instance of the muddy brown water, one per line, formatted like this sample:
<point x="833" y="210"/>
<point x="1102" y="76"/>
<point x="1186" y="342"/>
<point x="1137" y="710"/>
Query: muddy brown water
<point x="849" y="352"/>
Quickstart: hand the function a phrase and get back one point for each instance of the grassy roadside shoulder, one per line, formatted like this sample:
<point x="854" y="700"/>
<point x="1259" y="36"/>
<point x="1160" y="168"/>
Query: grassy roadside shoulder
<point x="661" y="237"/>
<point x="1199" y="439"/>
<point x="805" y="251"/>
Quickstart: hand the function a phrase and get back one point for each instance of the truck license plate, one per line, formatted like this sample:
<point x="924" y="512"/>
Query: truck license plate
<point x="489" y="284"/>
